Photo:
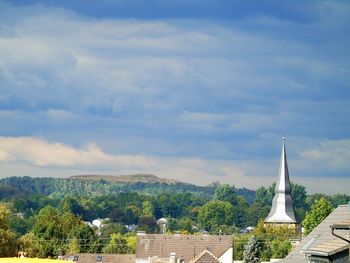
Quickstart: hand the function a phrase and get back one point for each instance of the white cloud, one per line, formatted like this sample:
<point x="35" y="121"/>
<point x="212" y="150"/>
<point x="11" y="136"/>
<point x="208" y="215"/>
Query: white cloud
<point x="38" y="152"/>
<point x="37" y="157"/>
<point x="333" y="155"/>
<point x="183" y="88"/>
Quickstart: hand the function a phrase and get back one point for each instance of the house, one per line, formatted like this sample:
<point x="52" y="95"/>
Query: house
<point x="205" y="257"/>
<point x="321" y="245"/>
<point x="155" y="248"/>
<point x="100" y="258"/>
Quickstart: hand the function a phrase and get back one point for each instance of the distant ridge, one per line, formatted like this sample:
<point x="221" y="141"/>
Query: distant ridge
<point x="133" y="178"/>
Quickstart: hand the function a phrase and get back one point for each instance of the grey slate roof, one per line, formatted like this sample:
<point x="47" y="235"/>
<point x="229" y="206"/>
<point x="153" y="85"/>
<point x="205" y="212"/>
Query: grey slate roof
<point x="320" y="236"/>
<point x="282" y="210"/>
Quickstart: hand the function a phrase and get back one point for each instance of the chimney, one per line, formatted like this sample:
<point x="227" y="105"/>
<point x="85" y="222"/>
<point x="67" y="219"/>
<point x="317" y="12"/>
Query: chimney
<point x="172" y="258"/>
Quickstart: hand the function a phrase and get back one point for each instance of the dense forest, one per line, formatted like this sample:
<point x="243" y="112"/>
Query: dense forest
<point x="45" y="215"/>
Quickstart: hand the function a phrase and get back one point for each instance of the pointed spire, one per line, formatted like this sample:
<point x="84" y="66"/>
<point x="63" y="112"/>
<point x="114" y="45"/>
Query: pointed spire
<point x="282" y="210"/>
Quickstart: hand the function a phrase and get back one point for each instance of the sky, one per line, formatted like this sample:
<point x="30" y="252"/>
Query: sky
<point x="194" y="90"/>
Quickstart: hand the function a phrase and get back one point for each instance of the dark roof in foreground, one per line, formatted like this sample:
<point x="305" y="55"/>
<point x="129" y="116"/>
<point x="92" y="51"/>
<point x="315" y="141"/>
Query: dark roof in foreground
<point x="185" y="246"/>
<point x="322" y="235"/>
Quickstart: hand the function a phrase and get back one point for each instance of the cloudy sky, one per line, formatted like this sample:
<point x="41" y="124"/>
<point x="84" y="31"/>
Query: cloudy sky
<point x="195" y="90"/>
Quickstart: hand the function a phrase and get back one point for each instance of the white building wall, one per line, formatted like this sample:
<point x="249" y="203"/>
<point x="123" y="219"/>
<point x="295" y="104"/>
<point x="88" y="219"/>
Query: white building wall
<point x="227" y="256"/>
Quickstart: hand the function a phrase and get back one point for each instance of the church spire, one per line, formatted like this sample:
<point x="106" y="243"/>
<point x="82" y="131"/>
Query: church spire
<point x="282" y="210"/>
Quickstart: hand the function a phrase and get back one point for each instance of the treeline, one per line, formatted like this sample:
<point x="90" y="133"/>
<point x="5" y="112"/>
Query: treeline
<point x="60" y="187"/>
<point x="47" y="214"/>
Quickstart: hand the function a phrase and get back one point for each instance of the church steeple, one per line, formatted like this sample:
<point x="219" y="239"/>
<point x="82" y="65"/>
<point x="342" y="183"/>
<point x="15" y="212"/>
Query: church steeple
<point x="282" y="210"/>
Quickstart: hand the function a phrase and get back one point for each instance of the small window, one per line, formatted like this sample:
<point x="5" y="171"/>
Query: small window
<point x="75" y="258"/>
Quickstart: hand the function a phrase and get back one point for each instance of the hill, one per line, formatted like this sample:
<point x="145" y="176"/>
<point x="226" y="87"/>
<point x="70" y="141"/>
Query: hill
<point x="133" y="178"/>
<point x="99" y="185"/>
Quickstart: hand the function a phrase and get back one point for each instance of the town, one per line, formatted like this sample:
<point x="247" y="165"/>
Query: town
<point x="174" y="131"/>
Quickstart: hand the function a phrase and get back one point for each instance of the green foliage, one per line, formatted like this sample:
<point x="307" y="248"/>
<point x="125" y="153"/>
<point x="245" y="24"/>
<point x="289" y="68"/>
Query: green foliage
<point x="240" y="212"/>
<point x="84" y="237"/>
<point x="263" y="196"/>
<point x="148" y="224"/>
<point x="117" y="245"/>
<point x="215" y="213"/>
<point x="274" y="240"/>
<point x="8" y="243"/>
<point x="73" y="246"/>
<point x="5" y="214"/>
<point x="120" y="244"/>
<point x="280" y="249"/>
<point x="52" y="230"/>
<point x="252" y="250"/>
<point x="21" y="225"/>
<point x="238" y="246"/>
<point x="226" y="193"/>
<point x="256" y="212"/>
<point x="132" y="214"/>
<point x="7" y="237"/>
<point x="30" y="244"/>
<point x="147" y="208"/>
<point x="48" y="212"/>
<point x="319" y="211"/>
<point x="116" y="215"/>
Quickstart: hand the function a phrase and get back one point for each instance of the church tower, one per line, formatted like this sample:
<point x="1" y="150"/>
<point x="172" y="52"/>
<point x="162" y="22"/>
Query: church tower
<point x="282" y="210"/>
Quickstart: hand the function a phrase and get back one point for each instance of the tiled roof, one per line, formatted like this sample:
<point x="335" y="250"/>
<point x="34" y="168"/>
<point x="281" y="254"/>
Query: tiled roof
<point x="328" y="248"/>
<point x="205" y="257"/>
<point x="320" y="235"/>
<point x="185" y="246"/>
<point x="342" y="225"/>
<point x="106" y="258"/>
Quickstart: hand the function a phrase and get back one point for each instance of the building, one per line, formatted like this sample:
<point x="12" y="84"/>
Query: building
<point x="155" y="248"/>
<point x="282" y="210"/>
<point x="321" y="245"/>
<point x="100" y="258"/>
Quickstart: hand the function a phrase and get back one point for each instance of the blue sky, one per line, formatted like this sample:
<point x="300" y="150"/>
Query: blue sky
<point x="194" y="90"/>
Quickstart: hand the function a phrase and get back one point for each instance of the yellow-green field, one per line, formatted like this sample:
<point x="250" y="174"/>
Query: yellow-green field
<point x="29" y="260"/>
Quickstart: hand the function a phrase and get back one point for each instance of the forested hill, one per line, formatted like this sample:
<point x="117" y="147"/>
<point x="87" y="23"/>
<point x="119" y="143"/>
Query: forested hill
<point x="97" y="185"/>
<point x="133" y="178"/>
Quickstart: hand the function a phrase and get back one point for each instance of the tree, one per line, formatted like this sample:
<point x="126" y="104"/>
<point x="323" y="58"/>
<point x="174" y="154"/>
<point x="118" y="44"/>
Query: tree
<point x="48" y="228"/>
<point x="73" y="246"/>
<point x="117" y="245"/>
<point x="263" y="196"/>
<point x="238" y="246"/>
<point x="299" y="200"/>
<point x="274" y="240"/>
<point x="147" y="208"/>
<point x="116" y="215"/>
<point x="52" y="228"/>
<point x="280" y="249"/>
<point x="84" y="236"/>
<point x="240" y="212"/>
<point x="7" y="237"/>
<point x="255" y="213"/>
<point x="71" y="204"/>
<point x="319" y="211"/>
<point x="148" y="224"/>
<point x="299" y="195"/>
<point x="215" y="213"/>
<point x="252" y="249"/>
<point x="227" y="193"/>
<point x="132" y="214"/>
<point x="29" y="244"/>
